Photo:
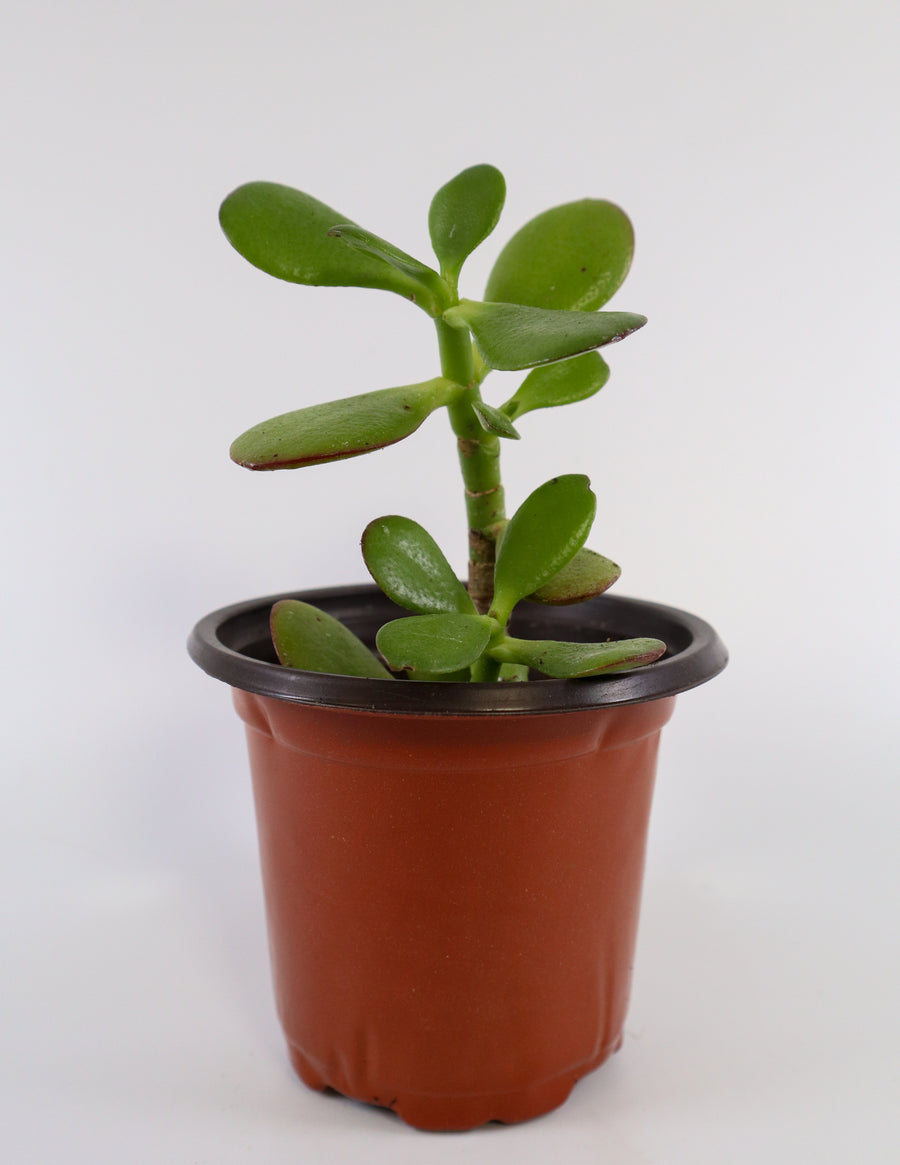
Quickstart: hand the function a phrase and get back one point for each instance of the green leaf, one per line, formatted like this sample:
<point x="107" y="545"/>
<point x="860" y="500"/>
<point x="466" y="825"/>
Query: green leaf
<point x="364" y="241"/>
<point x="545" y="533"/>
<point x="463" y="213"/>
<point x="481" y="369"/>
<point x="510" y="336"/>
<point x="341" y="428"/>
<point x="463" y="676"/>
<point x="434" y="643"/>
<point x="573" y="257"/>
<point x="562" y="383"/>
<point x="284" y="232"/>
<point x="494" y="421"/>
<point x="571" y="660"/>
<point x="410" y="568"/>
<point x="587" y="575"/>
<point x="312" y="640"/>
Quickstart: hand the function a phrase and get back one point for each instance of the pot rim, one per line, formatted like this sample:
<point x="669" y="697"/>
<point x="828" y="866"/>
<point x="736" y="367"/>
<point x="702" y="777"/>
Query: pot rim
<point x="231" y="645"/>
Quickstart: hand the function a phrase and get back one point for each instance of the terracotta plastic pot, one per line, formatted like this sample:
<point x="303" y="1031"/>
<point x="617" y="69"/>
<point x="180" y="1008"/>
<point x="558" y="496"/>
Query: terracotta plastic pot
<point x="453" y="871"/>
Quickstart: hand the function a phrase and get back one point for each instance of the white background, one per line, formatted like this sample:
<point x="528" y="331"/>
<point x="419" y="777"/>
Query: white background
<point x="744" y="453"/>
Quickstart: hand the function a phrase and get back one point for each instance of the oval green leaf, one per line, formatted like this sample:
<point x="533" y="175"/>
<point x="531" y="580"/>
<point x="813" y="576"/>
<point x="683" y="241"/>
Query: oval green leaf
<point x="510" y="336"/>
<point x="574" y="660"/>
<point x="312" y="640"/>
<point x="463" y="676"/>
<point x="587" y="575"/>
<point x="435" y="290"/>
<point x="573" y="258"/>
<point x="284" y="232"/>
<point x="411" y="569"/>
<point x="494" y="421"/>
<point x="463" y="213"/>
<point x="545" y="533"/>
<point x="434" y="643"/>
<point x="561" y="383"/>
<point x="342" y="428"/>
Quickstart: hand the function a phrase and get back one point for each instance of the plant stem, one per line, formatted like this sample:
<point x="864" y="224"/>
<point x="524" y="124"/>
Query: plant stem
<point x="485" y="670"/>
<point x="479" y="460"/>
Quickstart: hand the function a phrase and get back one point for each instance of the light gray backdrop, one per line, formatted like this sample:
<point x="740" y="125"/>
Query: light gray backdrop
<point x="745" y="457"/>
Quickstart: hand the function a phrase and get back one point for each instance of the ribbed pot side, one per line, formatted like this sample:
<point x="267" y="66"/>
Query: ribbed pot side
<point x="452" y="901"/>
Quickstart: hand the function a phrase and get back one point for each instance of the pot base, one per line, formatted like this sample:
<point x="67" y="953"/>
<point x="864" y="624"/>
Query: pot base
<point x="459" y="1114"/>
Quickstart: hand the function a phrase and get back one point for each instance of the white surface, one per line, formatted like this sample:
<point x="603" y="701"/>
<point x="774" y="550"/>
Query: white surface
<point x="746" y="456"/>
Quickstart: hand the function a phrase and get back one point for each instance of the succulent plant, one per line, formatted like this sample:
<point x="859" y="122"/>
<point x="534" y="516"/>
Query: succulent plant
<point x="540" y="312"/>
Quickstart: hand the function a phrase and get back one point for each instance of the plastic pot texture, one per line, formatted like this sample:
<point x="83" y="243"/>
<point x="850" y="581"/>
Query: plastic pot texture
<point x="452" y="872"/>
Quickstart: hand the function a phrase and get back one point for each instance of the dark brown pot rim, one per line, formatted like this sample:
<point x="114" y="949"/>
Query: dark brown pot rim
<point x="233" y="645"/>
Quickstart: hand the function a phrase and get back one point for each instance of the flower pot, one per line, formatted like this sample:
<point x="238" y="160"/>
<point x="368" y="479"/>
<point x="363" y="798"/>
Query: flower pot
<point x="452" y="872"/>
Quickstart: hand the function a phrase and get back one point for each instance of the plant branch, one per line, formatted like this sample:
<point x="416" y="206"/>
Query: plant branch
<point x="479" y="460"/>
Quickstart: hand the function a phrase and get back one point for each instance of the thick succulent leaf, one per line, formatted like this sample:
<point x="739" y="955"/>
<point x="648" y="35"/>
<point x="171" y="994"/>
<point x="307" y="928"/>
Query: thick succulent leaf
<point x="364" y="241"/>
<point x="513" y="673"/>
<point x="341" y="428"/>
<point x="463" y="213"/>
<point x="545" y="533"/>
<point x="510" y="336"/>
<point x="434" y="643"/>
<point x="411" y="569"/>
<point x="571" y="660"/>
<point x="463" y="676"/>
<point x="494" y="421"/>
<point x="561" y="383"/>
<point x="572" y="257"/>
<point x="284" y="232"/>
<point x="481" y="369"/>
<point x="312" y="640"/>
<point x="587" y="575"/>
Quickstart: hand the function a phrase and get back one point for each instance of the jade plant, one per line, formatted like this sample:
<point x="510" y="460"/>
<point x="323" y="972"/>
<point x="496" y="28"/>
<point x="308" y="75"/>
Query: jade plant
<point x="540" y="312"/>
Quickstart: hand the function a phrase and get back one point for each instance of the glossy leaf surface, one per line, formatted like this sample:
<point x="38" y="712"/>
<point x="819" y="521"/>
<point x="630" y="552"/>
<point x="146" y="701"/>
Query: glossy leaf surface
<point x="312" y="640"/>
<point x="284" y="232"/>
<point x="510" y="336"/>
<point x="411" y="569"/>
<point x="587" y="575"/>
<point x="463" y="213"/>
<point x="573" y="257"/>
<point x="573" y="660"/>
<point x="545" y="533"/>
<point x="362" y="240"/>
<point x="434" y="643"/>
<point x="341" y="428"/>
<point x="463" y="676"/>
<point x="561" y="383"/>
<point x="494" y="421"/>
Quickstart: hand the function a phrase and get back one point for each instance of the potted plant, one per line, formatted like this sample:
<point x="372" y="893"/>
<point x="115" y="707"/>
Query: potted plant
<point x="453" y="781"/>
